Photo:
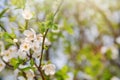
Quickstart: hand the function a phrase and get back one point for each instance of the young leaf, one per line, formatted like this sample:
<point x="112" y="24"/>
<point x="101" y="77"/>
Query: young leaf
<point x="3" y="12"/>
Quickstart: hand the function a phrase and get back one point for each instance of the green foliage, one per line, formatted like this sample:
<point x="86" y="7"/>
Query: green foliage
<point x="14" y="62"/>
<point x="31" y="62"/>
<point x="18" y="3"/>
<point x="68" y="27"/>
<point x="3" y="12"/>
<point x="61" y="74"/>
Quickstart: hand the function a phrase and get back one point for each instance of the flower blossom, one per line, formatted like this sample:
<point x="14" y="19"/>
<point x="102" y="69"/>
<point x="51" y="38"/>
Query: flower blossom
<point x="10" y="53"/>
<point x="2" y="65"/>
<point x="49" y="69"/>
<point x="25" y="46"/>
<point x="27" y="14"/>
<point x="30" y="74"/>
<point x="30" y="34"/>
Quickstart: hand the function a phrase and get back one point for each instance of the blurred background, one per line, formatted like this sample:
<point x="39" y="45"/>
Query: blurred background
<point x="86" y="45"/>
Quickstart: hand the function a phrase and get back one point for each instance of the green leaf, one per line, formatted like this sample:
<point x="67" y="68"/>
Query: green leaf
<point x="42" y="27"/>
<point x="3" y="12"/>
<point x="55" y="26"/>
<point x="61" y="74"/>
<point x="31" y="62"/>
<point x="68" y="27"/>
<point x="14" y="62"/>
<point x="6" y="35"/>
<point x="50" y="17"/>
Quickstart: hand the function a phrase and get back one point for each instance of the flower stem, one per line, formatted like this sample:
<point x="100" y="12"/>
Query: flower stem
<point x="26" y="24"/>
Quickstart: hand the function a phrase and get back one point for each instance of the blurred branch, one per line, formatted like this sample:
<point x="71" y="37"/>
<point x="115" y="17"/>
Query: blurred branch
<point x="93" y="5"/>
<point x="58" y="7"/>
<point x="3" y="28"/>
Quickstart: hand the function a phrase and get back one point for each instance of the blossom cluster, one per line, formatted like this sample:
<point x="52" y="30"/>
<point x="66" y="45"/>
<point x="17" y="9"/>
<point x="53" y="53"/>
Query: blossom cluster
<point x="26" y="49"/>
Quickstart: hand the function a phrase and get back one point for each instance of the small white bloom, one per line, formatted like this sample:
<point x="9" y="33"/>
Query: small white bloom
<point x="39" y="38"/>
<point x="7" y="55"/>
<point x="25" y="46"/>
<point x="2" y="65"/>
<point x="22" y="54"/>
<point x="36" y="46"/>
<point x="15" y="40"/>
<point x="30" y="74"/>
<point x="30" y="34"/>
<point x="118" y="40"/>
<point x="21" y="78"/>
<point x="13" y="49"/>
<point x="49" y="69"/>
<point x="27" y="14"/>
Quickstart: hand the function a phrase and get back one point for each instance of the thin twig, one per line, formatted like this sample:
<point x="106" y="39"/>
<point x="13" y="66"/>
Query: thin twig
<point x="3" y="28"/>
<point x="39" y="68"/>
<point x="43" y="46"/>
<point x="58" y="8"/>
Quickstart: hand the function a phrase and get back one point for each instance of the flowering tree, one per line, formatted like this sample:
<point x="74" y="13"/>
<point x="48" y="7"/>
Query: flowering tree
<point x="60" y="40"/>
<point x="25" y="54"/>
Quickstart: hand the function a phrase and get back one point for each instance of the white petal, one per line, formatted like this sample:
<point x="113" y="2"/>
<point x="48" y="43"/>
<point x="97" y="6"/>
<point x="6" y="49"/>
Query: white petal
<point x="27" y="14"/>
<point x="52" y="72"/>
<point x="21" y="78"/>
<point x="2" y="65"/>
<point x="27" y="32"/>
<point x="46" y="72"/>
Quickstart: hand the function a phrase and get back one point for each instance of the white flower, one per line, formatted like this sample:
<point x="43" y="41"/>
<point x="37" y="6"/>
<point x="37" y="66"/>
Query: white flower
<point x="25" y="46"/>
<point x="13" y="49"/>
<point x="30" y="75"/>
<point x="118" y="40"/>
<point x="15" y="40"/>
<point x="49" y="69"/>
<point x="21" y="78"/>
<point x="27" y="14"/>
<point x="39" y="38"/>
<point x="7" y="55"/>
<point x="2" y="65"/>
<point x="36" y="46"/>
<point x="30" y="35"/>
<point x="22" y="54"/>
